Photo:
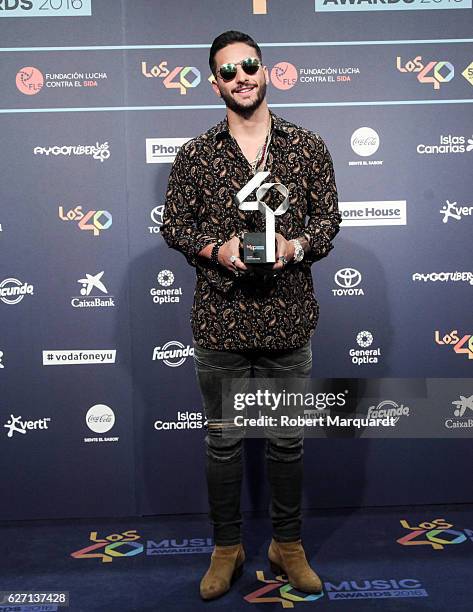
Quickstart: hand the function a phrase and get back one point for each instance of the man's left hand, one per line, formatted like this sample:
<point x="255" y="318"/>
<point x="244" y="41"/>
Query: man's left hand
<point x="284" y="249"/>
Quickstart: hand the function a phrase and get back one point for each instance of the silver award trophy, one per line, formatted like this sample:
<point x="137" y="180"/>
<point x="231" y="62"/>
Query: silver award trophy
<point x="260" y="247"/>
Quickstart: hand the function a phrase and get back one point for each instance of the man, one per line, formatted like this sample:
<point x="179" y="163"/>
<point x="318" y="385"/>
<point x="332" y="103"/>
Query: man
<point x="246" y="324"/>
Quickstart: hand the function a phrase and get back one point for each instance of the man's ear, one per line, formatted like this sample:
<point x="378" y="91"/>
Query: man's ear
<point x="266" y="74"/>
<point x="214" y="84"/>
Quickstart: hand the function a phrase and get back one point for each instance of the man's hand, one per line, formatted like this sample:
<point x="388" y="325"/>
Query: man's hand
<point x="229" y="251"/>
<point x="284" y="248"/>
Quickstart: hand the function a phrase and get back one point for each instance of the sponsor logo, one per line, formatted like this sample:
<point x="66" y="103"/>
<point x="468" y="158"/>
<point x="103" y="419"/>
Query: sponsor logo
<point x="13" y="291"/>
<point x="90" y="285"/>
<point x="388" y="212"/>
<point x="126" y="544"/>
<point x="348" y="280"/>
<point x="173" y="353"/>
<point x="29" y="80"/>
<point x="468" y="73"/>
<point x="16" y="424"/>
<point x="437" y="533"/>
<point x="2" y="354"/>
<point x="100" y="152"/>
<point x="45" y="8"/>
<point x="434" y="73"/>
<point x="157" y="218"/>
<point x="185" y="420"/>
<point x="448" y="144"/>
<point x="443" y="277"/>
<point x="451" y="210"/>
<point x="463" y="345"/>
<point x="388" y="408"/>
<point x="77" y="357"/>
<point x="163" y="150"/>
<point x="365" y="142"/>
<point x="464" y="418"/>
<point x="165" y="294"/>
<point x="180" y="77"/>
<point x="1" y="228"/>
<point x="92" y="220"/>
<point x="365" y="355"/>
<point x="260" y="7"/>
<point x="283" y="75"/>
<point x="100" y="418"/>
<point x="387" y="5"/>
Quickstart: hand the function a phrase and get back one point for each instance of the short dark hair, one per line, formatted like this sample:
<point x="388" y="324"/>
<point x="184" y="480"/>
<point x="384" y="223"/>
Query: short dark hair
<point x="228" y="38"/>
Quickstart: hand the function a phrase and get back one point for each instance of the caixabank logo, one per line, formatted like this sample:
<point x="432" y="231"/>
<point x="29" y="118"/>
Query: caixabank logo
<point x="129" y="544"/>
<point x="437" y="534"/>
<point x="45" y="8"/>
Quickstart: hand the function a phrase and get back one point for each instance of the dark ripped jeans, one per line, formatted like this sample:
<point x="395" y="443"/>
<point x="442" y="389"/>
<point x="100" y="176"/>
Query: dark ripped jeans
<point x="224" y="453"/>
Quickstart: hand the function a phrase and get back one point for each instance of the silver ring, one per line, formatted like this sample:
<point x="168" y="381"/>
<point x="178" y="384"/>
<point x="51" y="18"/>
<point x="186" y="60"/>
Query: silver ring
<point x="283" y="259"/>
<point x="233" y="259"/>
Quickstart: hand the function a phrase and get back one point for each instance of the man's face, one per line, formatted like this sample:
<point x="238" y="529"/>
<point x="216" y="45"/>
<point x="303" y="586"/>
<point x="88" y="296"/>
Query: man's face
<point x="245" y="92"/>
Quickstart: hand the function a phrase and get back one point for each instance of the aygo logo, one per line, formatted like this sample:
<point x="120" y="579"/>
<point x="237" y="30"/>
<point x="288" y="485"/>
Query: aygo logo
<point x="179" y="73"/>
<point x="437" y="533"/>
<point x="433" y="72"/>
<point x="93" y="220"/>
<point x="462" y="345"/>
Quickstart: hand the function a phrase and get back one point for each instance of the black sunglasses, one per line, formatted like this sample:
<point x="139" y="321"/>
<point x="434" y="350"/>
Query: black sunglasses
<point x="228" y="71"/>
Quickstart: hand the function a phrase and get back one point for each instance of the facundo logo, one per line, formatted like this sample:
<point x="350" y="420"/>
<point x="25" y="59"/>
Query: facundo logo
<point x="444" y="277"/>
<point x="172" y="357"/>
<point x="17" y="425"/>
<point x="186" y="77"/>
<point x="100" y="152"/>
<point x="435" y="73"/>
<point x="388" y="408"/>
<point x="30" y="80"/>
<point x="437" y="533"/>
<point x="93" y="220"/>
<point x="163" y="150"/>
<point x="13" y="291"/>
<point x="383" y="212"/>
<point x="185" y="420"/>
<point x="462" y="412"/>
<point x="463" y="345"/>
<point x="365" y="142"/>
<point x="348" y="280"/>
<point x="157" y="218"/>
<point x="452" y="211"/>
<point x="100" y="418"/>
<point x="109" y="547"/>
<point x="88" y="299"/>
<point x="166" y="294"/>
<point x="447" y="144"/>
<point x="283" y="75"/>
<point x="365" y="355"/>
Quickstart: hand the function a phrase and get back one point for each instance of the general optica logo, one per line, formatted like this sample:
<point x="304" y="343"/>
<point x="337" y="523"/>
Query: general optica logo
<point x="29" y="80"/>
<point x="284" y="75"/>
<point x="437" y="534"/>
<point x="180" y="77"/>
<point x="125" y="544"/>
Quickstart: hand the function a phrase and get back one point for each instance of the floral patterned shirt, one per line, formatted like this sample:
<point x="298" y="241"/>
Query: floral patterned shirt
<point x="250" y="311"/>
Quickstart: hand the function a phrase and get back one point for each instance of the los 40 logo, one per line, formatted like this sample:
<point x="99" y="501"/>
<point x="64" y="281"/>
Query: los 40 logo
<point x="93" y="220"/>
<point x="463" y="345"/>
<point x="437" y="533"/>
<point x="181" y="77"/>
<point x="432" y="72"/>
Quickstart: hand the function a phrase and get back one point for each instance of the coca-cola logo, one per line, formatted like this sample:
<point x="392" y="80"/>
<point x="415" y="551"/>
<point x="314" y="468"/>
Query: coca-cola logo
<point x="365" y="141"/>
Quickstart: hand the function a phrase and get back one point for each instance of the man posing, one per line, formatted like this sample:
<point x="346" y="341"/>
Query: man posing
<point x="246" y="324"/>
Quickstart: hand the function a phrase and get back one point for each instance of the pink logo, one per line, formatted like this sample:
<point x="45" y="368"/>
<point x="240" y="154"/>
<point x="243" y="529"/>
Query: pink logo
<point x="29" y="80"/>
<point x="284" y="75"/>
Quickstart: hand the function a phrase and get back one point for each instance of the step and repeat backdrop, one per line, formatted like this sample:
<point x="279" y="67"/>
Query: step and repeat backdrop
<point x="100" y="412"/>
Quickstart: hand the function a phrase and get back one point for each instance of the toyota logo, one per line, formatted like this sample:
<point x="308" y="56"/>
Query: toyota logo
<point x="347" y="278"/>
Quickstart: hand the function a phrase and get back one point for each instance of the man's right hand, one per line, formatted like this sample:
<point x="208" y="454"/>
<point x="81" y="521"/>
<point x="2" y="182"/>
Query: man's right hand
<point x="227" y="252"/>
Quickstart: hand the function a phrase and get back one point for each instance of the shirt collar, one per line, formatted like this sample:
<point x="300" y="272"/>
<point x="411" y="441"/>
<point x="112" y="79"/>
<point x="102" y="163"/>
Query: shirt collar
<point x="279" y="124"/>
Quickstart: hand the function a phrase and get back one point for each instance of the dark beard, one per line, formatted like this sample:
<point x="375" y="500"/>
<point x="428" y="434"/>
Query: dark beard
<point x="240" y="109"/>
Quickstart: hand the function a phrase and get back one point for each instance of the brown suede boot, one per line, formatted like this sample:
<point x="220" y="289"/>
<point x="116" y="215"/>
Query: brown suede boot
<point x="289" y="558"/>
<point x="225" y="566"/>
